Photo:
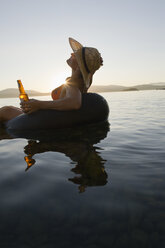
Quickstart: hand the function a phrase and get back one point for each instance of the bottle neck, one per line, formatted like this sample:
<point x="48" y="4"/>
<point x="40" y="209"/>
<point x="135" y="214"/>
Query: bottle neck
<point x="20" y="87"/>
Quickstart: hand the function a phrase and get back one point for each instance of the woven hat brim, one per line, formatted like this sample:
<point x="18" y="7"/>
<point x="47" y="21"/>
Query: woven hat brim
<point x="77" y="49"/>
<point x="75" y="45"/>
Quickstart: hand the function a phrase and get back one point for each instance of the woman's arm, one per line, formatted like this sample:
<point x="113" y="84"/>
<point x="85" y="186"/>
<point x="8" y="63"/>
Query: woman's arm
<point x="71" y="101"/>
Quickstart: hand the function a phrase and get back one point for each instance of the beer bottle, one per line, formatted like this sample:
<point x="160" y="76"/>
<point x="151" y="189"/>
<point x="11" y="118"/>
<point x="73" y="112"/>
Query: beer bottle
<point x="23" y="95"/>
<point x="29" y="160"/>
<point x="29" y="151"/>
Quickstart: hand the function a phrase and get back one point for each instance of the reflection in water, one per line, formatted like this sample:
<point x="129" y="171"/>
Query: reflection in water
<point x="29" y="160"/>
<point x="77" y="144"/>
<point x="89" y="167"/>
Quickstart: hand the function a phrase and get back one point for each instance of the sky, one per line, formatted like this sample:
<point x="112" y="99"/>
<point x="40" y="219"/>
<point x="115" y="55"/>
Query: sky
<point x="34" y="47"/>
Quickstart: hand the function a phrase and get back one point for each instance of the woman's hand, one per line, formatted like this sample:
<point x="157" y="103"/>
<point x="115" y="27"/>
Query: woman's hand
<point x="30" y="106"/>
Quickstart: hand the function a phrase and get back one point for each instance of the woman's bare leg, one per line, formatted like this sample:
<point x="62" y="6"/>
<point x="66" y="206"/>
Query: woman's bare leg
<point x="9" y="112"/>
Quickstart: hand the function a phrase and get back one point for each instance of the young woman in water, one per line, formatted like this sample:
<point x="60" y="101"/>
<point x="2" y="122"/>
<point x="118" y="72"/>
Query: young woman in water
<point x="84" y="61"/>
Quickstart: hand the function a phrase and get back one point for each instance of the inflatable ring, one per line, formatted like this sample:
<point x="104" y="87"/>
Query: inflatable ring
<point x="94" y="109"/>
<point x="91" y="134"/>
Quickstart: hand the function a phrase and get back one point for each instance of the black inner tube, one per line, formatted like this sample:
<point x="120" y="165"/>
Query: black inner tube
<point x="94" y="109"/>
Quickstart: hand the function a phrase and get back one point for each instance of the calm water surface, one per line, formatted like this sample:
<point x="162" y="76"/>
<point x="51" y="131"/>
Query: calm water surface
<point x="90" y="187"/>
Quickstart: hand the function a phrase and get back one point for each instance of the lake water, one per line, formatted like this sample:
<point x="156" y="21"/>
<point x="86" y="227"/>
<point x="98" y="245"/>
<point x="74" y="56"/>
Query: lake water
<point x="105" y="187"/>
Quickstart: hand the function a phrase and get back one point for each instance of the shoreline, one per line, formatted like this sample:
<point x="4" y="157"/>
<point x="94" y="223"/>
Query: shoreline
<point x="90" y="91"/>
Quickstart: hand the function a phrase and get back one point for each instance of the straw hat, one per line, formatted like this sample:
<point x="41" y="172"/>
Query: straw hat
<point x="89" y="60"/>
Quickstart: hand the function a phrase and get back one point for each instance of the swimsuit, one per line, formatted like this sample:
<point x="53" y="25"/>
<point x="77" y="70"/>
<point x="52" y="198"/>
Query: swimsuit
<point x="56" y="93"/>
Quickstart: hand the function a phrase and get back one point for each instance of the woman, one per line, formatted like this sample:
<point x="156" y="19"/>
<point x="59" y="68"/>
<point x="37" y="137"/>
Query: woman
<point x="84" y="61"/>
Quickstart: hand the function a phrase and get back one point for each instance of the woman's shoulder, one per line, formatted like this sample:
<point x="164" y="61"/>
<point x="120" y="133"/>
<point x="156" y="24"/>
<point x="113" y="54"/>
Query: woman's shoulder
<point x="68" y="79"/>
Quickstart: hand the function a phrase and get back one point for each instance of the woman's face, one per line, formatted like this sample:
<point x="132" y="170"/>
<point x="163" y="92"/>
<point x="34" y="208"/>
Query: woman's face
<point x="72" y="61"/>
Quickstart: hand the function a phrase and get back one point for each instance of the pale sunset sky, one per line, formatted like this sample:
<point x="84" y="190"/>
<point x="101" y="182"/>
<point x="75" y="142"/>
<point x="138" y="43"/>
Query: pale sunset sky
<point x="129" y="34"/>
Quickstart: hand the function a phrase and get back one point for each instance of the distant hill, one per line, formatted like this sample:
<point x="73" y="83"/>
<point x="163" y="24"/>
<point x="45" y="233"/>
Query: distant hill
<point x="13" y="92"/>
<point x="113" y="88"/>
<point x="106" y="88"/>
<point x="154" y="86"/>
